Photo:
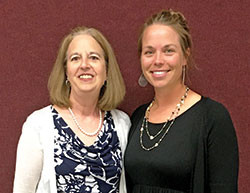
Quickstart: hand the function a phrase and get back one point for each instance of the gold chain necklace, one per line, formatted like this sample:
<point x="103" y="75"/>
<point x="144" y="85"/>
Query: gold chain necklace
<point x="172" y="117"/>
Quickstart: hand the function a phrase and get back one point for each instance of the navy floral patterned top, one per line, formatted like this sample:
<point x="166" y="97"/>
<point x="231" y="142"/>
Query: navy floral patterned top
<point x="80" y="168"/>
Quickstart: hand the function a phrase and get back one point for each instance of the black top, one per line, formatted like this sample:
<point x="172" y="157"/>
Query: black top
<point x="199" y="154"/>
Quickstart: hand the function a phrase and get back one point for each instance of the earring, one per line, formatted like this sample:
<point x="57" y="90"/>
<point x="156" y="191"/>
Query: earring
<point x="142" y="81"/>
<point x="105" y="83"/>
<point x="103" y="89"/>
<point x="183" y="74"/>
<point x="67" y="82"/>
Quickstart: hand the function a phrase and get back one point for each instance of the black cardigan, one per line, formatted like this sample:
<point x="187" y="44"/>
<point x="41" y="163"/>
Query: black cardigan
<point x="217" y="135"/>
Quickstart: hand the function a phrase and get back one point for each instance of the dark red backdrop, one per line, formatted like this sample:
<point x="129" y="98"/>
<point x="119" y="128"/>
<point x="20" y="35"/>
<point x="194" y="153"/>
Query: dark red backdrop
<point x="30" y="32"/>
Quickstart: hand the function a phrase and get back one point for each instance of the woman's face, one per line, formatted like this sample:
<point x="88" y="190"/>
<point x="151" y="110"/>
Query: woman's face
<point x="162" y="58"/>
<point x="86" y="67"/>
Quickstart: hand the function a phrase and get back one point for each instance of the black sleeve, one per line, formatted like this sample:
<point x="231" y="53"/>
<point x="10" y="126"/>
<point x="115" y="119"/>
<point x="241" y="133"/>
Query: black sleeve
<point x="223" y="158"/>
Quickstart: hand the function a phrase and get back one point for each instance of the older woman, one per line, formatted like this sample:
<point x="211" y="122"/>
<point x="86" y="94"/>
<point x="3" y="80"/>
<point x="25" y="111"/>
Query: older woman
<point x="181" y="142"/>
<point x="77" y="143"/>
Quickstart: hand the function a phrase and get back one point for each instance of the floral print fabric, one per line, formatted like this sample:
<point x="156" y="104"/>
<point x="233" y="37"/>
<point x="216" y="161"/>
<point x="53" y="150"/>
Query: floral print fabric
<point x="90" y="169"/>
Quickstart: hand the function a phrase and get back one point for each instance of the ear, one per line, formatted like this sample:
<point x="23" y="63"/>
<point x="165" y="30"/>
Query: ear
<point x="187" y="54"/>
<point x="66" y="70"/>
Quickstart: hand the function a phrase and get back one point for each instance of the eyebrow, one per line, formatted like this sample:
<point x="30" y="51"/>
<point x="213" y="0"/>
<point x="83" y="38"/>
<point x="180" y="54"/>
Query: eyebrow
<point x="166" y="46"/>
<point x="75" y="53"/>
<point x="169" y="45"/>
<point x="100" y="55"/>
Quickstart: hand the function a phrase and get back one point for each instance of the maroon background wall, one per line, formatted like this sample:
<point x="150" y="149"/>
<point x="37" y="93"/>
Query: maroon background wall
<point x="30" y="32"/>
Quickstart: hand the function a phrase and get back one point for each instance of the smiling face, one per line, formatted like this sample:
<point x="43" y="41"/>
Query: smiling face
<point x="86" y="67"/>
<point x="162" y="58"/>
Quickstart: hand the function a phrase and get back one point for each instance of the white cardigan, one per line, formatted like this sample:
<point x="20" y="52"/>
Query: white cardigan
<point x="35" y="168"/>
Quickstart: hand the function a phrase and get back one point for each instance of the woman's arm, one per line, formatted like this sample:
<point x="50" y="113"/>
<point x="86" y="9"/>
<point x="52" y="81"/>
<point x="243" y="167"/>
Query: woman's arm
<point x="223" y="158"/>
<point x="29" y="161"/>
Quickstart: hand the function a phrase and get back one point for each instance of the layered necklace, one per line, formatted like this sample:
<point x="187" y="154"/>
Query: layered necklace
<point x="81" y="129"/>
<point x="161" y="132"/>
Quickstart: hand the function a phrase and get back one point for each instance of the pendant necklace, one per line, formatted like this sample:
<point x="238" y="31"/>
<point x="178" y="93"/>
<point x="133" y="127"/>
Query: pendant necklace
<point x="171" y="119"/>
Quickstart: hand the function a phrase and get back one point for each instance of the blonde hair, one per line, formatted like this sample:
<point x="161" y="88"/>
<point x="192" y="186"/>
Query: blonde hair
<point x="112" y="92"/>
<point x="177" y="21"/>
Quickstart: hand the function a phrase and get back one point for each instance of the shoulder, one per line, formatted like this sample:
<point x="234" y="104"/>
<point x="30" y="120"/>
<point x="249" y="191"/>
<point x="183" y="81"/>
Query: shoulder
<point x="118" y="114"/>
<point x="218" y="118"/>
<point x="215" y="109"/>
<point x="38" y="118"/>
<point x="136" y="117"/>
<point x="121" y="119"/>
<point x="140" y="111"/>
<point x="39" y="112"/>
<point x="141" y="108"/>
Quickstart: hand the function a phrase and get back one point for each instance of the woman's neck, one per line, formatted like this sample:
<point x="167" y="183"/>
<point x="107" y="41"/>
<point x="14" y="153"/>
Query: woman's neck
<point x="169" y="96"/>
<point x="84" y="105"/>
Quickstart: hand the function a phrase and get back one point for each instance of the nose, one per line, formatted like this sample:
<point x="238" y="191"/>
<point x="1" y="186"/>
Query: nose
<point x="84" y="62"/>
<point x="159" y="58"/>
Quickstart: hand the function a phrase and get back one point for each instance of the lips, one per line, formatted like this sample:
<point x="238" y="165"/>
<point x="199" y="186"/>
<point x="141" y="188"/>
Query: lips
<point x="159" y="73"/>
<point x="86" y="76"/>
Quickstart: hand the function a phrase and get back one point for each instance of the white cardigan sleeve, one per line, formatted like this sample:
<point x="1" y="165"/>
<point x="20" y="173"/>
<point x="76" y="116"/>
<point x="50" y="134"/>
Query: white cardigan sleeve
<point x="29" y="159"/>
<point x="122" y="126"/>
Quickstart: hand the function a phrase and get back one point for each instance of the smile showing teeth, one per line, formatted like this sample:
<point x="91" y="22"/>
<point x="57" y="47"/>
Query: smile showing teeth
<point x="85" y="76"/>
<point x="159" y="73"/>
